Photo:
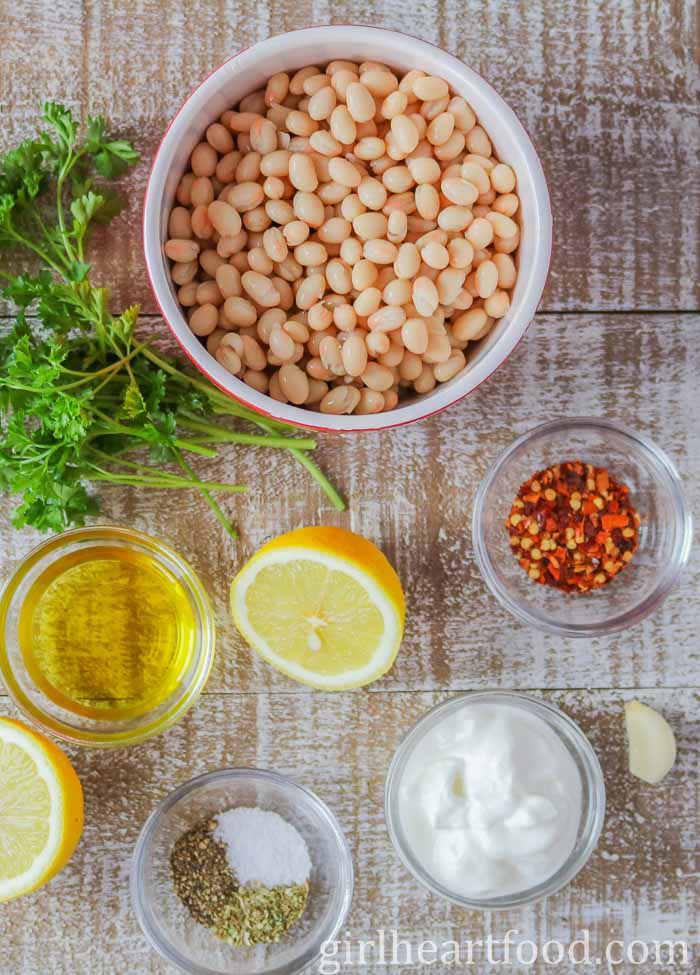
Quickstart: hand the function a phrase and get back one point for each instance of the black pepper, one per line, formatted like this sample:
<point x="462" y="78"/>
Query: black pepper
<point x="201" y="875"/>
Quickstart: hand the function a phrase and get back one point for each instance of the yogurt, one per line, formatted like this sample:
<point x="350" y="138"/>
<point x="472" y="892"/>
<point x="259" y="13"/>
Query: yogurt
<point x="490" y="801"/>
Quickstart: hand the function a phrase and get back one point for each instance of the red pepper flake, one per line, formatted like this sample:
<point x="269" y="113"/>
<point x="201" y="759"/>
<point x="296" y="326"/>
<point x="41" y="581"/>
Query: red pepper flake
<point x="579" y="523"/>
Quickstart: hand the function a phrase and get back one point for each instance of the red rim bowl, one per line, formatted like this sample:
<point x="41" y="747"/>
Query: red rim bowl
<point x="249" y="70"/>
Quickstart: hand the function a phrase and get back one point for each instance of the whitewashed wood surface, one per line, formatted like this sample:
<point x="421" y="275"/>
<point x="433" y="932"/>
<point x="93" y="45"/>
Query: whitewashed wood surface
<point x="609" y="93"/>
<point x="640" y="884"/>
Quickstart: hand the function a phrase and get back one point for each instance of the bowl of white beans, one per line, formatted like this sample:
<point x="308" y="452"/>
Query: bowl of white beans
<point x="346" y="228"/>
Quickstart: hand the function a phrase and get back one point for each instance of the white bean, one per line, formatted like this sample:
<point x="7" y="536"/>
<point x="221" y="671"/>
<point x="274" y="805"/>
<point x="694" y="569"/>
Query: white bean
<point x="448" y="368"/>
<point x="377" y="377"/>
<point x="414" y="334"/>
<point x="302" y="174"/>
<point x="370" y="402"/>
<point x="260" y="289"/>
<point x="380" y="251"/>
<point x="354" y="354"/>
<point x="429" y="88"/>
<point x="341" y="399"/>
<point x="293" y="383"/>
<point x="204" y="319"/>
<point x="229" y="359"/>
<point x="486" y="279"/>
<point x="182" y="251"/>
<point x="425" y="296"/>
<point x="310" y="291"/>
<point x="281" y="344"/>
<point x="360" y="102"/>
<point x="387" y="319"/>
<point x="469" y="324"/>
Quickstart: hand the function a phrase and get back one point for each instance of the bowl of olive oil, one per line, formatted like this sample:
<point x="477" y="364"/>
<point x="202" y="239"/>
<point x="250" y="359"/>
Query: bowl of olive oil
<point x="106" y="636"/>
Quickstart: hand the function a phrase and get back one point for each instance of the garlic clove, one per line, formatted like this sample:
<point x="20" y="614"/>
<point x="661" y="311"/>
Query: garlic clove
<point x="652" y="744"/>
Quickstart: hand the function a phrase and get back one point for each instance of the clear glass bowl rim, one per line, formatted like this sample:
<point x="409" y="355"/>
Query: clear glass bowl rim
<point x="595" y="782"/>
<point x="164" y="948"/>
<point x="34" y="712"/>
<point x="622" y="620"/>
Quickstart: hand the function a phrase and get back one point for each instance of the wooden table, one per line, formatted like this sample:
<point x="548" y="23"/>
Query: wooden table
<point x="609" y="95"/>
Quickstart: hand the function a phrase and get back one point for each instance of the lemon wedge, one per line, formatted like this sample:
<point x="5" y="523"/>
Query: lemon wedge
<point x="41" y="809"/>
<point x="322" y="605"/>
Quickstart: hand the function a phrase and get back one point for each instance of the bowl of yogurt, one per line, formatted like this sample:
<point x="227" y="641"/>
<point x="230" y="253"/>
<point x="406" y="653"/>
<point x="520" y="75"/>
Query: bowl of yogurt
<point x="494" y="800"/>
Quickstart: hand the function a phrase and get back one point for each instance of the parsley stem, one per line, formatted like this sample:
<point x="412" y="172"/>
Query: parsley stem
<point x="137" y="480"/>
<point x="30" y="245"/>
<point x="186" y="467"/>
<point x="194" y="448"/>
<point x="328" y="489"/>
<point x="169" y="481"/>
<point x="316" y="472"/>
<point x="116" y="458"/>
<point x="166" y="475"/>
<point x="47" y="236"/>
<point x="117" y="427"/>
<point x="221" y="517"/>
<point x="220" y="434"/>
<point x="89" y="376"/>
<point x="71" y="160"/>
<point x="268" y="425"/>
<point x="114" y="367"/>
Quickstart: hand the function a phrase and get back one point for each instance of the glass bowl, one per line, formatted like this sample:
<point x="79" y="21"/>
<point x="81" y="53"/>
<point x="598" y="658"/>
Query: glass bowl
<point x="196" y="950"/>
<point x="655" y="491"/>
<point x="592" y="796"/>
<point x="41" y="704"/>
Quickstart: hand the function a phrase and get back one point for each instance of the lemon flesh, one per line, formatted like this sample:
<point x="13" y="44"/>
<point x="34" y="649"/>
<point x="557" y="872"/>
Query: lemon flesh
<point x="25" y="812"/>
<point x="317" y="617"/>
<point x="39" y="823"/>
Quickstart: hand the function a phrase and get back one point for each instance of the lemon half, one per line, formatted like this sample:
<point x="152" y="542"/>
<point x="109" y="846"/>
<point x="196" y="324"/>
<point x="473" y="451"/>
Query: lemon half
<point x="322" y="605"/>
<point x="41" y="809"/>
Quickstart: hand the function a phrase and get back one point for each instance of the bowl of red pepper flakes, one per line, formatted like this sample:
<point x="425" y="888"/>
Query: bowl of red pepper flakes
<point x="581" y="527"/>
<point x="573" y="526"/>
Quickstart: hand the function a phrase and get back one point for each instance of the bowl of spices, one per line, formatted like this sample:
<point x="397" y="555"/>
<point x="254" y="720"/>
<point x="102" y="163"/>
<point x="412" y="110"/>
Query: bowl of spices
<point x="106" y="636"/>
<point x="581" y="527"/>
<point x="239" y="872"/>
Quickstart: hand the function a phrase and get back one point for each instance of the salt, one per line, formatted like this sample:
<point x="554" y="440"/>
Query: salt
<point x="262" y="847"/>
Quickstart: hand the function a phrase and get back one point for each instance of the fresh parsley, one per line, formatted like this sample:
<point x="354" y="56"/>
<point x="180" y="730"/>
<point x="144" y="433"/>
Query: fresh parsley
<point x="82" y="400"/>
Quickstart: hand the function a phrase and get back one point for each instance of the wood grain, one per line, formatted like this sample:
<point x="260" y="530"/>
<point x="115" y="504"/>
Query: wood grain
<point x="639" y="884"/>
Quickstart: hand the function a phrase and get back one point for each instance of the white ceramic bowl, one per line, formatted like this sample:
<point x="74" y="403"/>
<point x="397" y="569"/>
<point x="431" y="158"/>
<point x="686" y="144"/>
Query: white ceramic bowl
<point x="249" y="70"/>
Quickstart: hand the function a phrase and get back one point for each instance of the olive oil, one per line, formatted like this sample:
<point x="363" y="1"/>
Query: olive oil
<point x="107" y="632"/>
